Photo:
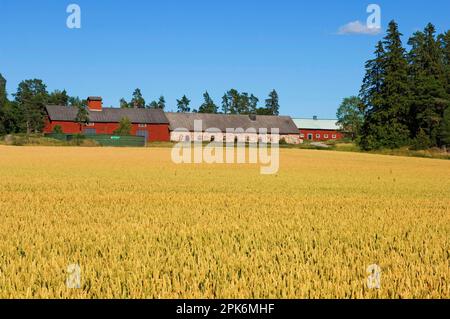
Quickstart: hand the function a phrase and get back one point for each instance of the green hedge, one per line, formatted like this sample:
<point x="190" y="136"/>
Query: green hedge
<point x="104" y="140"/>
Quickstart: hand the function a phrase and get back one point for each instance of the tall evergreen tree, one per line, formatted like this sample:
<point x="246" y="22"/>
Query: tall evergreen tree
<point x="161" y="103"/>
<point x="253" y="104"/>
<point x="183" y="105"/>
<point x="385" y="94"/>
<point x="2" y="91"/>
<point x="208" y="105"/>
<point x="428" y="87"/>
<point x="243" y="104"/>
<point x="137" y="100"/>
<point x="11" y="116"/>
<point x="396" y="87"/>
<point x="3" y="102"/>
<point x="233" y="98"/>
<point x="272" y="103"/>
<point x="225" y="104"/>
<point x="444" y="40"/>
<point x="371" y="89"/>
<point x="444" y="130"/>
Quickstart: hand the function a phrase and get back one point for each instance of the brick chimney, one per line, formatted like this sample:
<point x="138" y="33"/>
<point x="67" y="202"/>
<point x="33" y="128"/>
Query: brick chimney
<point x="94" y="103"/>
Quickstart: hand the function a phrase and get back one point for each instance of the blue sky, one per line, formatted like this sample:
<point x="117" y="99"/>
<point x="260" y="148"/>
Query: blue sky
<point x="173" y="48"/>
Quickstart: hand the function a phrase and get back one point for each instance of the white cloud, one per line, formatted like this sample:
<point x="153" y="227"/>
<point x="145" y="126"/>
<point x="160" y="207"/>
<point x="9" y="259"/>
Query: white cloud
<point x="356" y="27"/>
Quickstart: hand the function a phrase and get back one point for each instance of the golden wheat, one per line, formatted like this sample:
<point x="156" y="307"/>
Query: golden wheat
<point x="140" y="226"/>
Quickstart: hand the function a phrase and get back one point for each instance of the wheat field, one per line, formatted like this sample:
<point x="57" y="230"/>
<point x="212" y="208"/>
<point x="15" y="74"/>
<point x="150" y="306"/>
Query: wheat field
<point x="140" y="226"/>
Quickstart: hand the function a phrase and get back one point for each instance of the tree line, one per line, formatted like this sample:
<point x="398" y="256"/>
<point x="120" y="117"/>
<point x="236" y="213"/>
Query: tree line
<point x="26" y="112"/>
<point x="405" y="95"/>
<point x="233" y="102"/>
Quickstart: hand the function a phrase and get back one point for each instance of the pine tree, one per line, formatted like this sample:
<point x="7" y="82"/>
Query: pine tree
<point x="233" y="98"/>
<point x="137" y="101"/>
<point x="161" y="103"/>
<point x="253" y="106"/>
<point x="243" y="104"/>
<point x="123" y="104"/>
<point x="272" y="103"/>
<point x="225" y="104"/>
<point x="208" y="105"/>
<point x="183" y="105"/>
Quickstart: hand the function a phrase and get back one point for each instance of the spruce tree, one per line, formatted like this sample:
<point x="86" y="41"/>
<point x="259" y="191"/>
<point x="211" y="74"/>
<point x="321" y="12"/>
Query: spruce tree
<point x="428" y="87"/>
<point x="371" y="95"/>
<point x="444" y="131"/>
<point x="3" y="102"/>
<point x="2" y="91"/>
<point x="385" y="93"/>
<point x="444" y="40"/>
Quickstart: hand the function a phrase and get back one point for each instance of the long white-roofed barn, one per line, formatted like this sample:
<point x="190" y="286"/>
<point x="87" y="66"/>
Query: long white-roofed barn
<point x="232" y="127"/>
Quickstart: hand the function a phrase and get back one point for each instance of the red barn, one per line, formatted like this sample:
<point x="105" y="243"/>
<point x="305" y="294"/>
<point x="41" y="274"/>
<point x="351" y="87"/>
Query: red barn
<point x="151" y="123"/>
<point x="318" y="130"/>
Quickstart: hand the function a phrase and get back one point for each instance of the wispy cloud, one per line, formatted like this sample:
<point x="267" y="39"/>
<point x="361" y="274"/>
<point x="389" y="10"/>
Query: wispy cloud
<point x="356" y="27"/>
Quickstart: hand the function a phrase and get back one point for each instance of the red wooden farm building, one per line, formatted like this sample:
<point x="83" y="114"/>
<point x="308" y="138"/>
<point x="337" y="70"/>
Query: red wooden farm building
<point x="150" y="123"/>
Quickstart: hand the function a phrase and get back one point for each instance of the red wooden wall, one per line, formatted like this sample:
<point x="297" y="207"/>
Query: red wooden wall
<point x="156" y="132"/>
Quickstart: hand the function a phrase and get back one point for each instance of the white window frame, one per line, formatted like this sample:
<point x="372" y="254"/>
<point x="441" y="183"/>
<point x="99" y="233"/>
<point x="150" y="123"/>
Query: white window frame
<point x="317" y="135"/>
<point x="142" y="125"/>
<point x="90" y="124"/>
<point x="325" y="136"/>
<point x="334" y="136"/>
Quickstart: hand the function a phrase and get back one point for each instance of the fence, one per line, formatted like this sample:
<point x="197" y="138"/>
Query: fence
<point x="103" y="140"/>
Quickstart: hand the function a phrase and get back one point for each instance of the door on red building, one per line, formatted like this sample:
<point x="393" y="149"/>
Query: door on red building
<point x="90" y="131"/>
<point x="310" y="136"/>
<point x="143" y="133"/>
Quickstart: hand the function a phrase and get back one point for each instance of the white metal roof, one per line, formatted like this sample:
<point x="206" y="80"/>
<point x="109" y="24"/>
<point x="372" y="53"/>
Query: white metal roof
<point x="318" y="124"/>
